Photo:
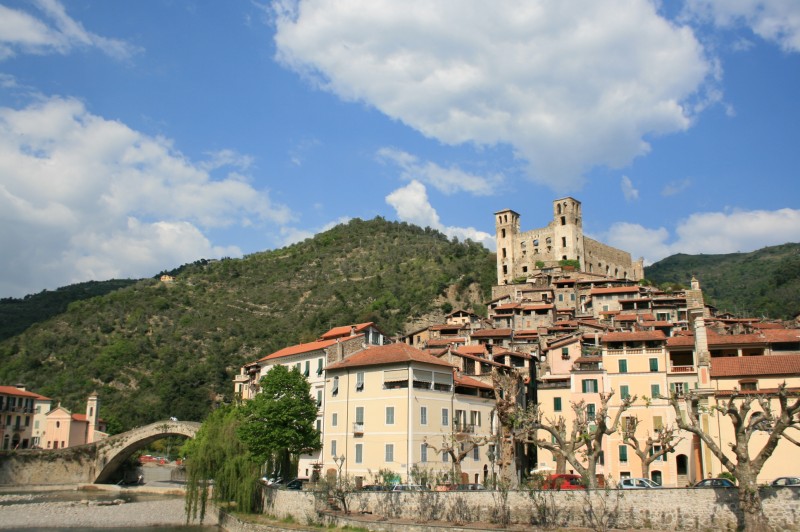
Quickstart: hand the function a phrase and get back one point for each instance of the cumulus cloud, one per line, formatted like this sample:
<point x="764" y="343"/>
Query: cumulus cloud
<point x="412" y="205"/>
<point x="568" y="85"/>
<point x="676" y="187"/>
<point x="292" y="235"/>
<point x="82" y="197"/>
<point x="777" y="21"/>
<point x="20" y="31"/>
<point x="446" y="180"/>
<point x="710" y="233"/>
<point x="630" y="192"/>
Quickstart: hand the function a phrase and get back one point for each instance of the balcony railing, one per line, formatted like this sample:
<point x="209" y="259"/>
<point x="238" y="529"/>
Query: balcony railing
<point x="467" y="428"/>
<point x="549" y="385"/>
<point x="682" y="369"/>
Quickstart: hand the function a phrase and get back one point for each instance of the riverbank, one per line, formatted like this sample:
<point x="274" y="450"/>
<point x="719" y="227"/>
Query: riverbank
<point x="93" y="506"/>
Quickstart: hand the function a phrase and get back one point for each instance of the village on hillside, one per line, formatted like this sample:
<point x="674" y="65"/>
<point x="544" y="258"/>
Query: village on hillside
<point x="570" y="320"/>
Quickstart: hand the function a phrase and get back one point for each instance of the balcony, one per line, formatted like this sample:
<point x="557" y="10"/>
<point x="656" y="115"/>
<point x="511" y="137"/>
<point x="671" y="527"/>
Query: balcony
<point x="358" y="428"/>
<point x="463" y="428"/>
<point x="682" y="369"/>
<point x="550" y="385"/>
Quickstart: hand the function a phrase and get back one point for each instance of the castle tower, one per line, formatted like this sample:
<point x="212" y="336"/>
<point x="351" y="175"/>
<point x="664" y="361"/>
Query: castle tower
<point x="568" y="230"/>
<point x="92" y="407"/>
<point x="507" y="227"/>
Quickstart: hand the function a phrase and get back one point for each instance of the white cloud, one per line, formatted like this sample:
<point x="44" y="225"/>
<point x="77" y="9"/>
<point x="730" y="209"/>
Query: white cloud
<point x="709" y="233"/>
<point x="20" y="31"/>
<point x="630" y="192"/>
<point x="292" y="235"/>
<point x="446" y="180"/>
<point x="777" y="21"/>
<point x="676" y="187"/>
<point x="412" y="205"/>
<point x="569" y="85"/>
<point x="84" y="198"/>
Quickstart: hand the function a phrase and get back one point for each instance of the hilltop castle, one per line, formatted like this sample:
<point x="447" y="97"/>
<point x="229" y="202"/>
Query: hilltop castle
<point x="519" y="254"/>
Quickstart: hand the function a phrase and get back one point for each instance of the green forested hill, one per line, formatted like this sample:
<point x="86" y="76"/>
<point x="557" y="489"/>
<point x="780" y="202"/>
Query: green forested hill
<point x="765" y="282"/>
<point x="154" y="350"/>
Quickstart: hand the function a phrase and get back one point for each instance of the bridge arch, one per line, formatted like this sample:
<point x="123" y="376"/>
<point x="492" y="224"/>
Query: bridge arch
<point x="114" y="450"/>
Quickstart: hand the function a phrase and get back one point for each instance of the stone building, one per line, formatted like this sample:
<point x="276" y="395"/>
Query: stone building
<point x="521" y="254"/>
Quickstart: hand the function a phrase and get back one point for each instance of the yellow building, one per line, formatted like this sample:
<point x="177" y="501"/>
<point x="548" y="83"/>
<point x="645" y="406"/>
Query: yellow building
<point x="384" y="403"/>
<point x="21" y="417"/>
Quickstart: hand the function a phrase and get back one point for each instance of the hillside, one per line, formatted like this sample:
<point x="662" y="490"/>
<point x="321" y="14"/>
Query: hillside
<point x="765" y="282"/>
<point x="154" y="350"/>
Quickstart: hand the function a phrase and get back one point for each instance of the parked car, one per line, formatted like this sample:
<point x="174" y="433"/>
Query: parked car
<point x="563" y="482"/>
<point x="636" y="484"/>
<point x="470" y="487"/>
<point x="786" y="481"/>
<point x="407" y="487"/>
<point x="715" y="483"/>
<point x="296" y="484"/>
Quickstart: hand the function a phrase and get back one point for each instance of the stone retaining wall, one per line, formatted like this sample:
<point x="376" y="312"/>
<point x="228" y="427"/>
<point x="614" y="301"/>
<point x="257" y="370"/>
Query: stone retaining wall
<point x="662" y="509"/>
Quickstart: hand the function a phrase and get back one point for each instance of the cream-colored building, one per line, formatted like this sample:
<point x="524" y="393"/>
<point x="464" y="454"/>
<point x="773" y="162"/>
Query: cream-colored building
<point x="65" y="429"/>
<point x="384" y="403"/>
<point x="21" y="417"/>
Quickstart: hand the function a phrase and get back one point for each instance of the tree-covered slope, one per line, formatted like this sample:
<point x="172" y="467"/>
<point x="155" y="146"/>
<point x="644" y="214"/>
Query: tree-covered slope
<point x="154" y="349"/>
<point x="765" y="282"/>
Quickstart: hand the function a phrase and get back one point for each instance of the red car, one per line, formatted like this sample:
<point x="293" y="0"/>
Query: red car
<point x="563" y="482"/>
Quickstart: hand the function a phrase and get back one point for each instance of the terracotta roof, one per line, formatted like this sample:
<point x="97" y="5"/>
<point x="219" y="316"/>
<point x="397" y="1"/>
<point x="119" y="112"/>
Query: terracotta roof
<point x="637" y="336"/>
<point x="507" y="306"/>
<point x="491" y="333"/>
<point x="782" y="335"/>
<point x="472" y="349"/>
<point x="456" y="352"/>
<point x="615" y="290"/>
<point x="768" y="325"/>
<point x="626" y="317"/>
<point x="299" y="349"/>
<point x="463" y="380"/>
<point x="13" y="390"/>
<point x="80" y="417"/>
<point x="525" y="333"/>
<point x="445" y="326"/>
<point x="438" y="342"/>
<point x="657" y="324"/>
<point x="537" y="307"/>
<point x="755" y="366"/>
<point x="715" y="340"/>
<point x="345" y="330"/>
<point x="388" y="354"/>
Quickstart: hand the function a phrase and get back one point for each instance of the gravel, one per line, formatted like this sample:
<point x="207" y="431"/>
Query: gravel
<point x="34" y="510"/>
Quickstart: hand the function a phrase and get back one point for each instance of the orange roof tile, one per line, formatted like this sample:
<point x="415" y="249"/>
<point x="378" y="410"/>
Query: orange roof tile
<point x="637" y="336"/>
<point x="299" y="349"/>
<point x="752" y="366"/>
<point x="463" y="380"/>
<point x="472" y="349"/>
<point x="491" y="333"/>
<point x="388" y="354"/>
<point x="782" y="335"/>
<point x="438" y="342"/>
<point x="345" y="330"/>
<point x="13" y="390"/>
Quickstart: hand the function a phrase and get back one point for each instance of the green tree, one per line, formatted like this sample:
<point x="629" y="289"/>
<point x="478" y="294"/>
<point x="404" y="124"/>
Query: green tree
<point x="279" y="422"/>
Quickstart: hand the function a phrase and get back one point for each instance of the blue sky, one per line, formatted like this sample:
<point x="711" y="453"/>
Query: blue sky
<point x="138" y="136"/>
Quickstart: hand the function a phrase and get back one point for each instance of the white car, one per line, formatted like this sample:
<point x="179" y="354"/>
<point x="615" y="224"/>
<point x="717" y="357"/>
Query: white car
<point x="637" y="484"/>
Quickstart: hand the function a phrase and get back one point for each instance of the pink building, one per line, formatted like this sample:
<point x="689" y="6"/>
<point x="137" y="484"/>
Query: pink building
<point x="65" y="429"/>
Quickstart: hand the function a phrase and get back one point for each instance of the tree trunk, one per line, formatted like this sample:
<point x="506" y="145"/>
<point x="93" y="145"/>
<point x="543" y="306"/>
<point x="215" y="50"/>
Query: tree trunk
<point x="753" y="516"/>
<point x="645" y="469"/>
<point x="561" y="464"/>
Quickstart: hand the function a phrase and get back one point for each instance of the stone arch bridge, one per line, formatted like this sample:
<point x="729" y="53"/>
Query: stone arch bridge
<point x="91" y="463"/>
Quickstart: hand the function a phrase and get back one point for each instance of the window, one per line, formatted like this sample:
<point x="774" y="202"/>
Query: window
<point x="623" y="366"/>
<point x="561" y="297"/>
<point x="655" y="449"/>
<point x="748" y="386"/>
<point x="572" y="297"/>
<point x="679" y="388"/>
<point x="565" y="353"/>
<point x="359" y="453"/>
<point x="475" y="418"/>
<point x="653" y="364"/>
<point x="624" y="392"/>
<point x="333" y="447"/>
<point x="445" y="456"/>
<point x="360" y="414"/>
<point x="476" y="453"/>
<point x="423" y="415"/>
<point x="445" y="417"/>
<point x="319" y="367"/>
<point x="334" y="419"/>
<point x="390" y="415"/>
<point x="556" y="404"/>
<point x="297" y="367"/>
<point x="655" y="390"/>
<point x="360" y="381"/>
<point x="389" y="453"/>
<point x="658" y="423"/>
<point x="590" y="411"/>
<point x="319" y="425"/>
<point x="589" y="385"/>
<point x="335" y="387"/>
<point x="423" y="452"/>
<point x="319" y="398"/>
<point x="307" y="371"/>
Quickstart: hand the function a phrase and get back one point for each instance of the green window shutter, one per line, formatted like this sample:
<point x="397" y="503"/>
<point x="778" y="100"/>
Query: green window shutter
<point x="556" y="404"/>
<point x="623" y="453"/>
<point x="624" y="392"/>
<point x="655" y="390"/>
<point x="672" y="388"/>
<point x="653" y="364"/>
<point x="584" y="386"/>
<point x="623" y="366"/>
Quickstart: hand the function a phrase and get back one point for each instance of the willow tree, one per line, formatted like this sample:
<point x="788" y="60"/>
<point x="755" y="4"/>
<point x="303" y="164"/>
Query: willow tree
<point x="218" y="455"/>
